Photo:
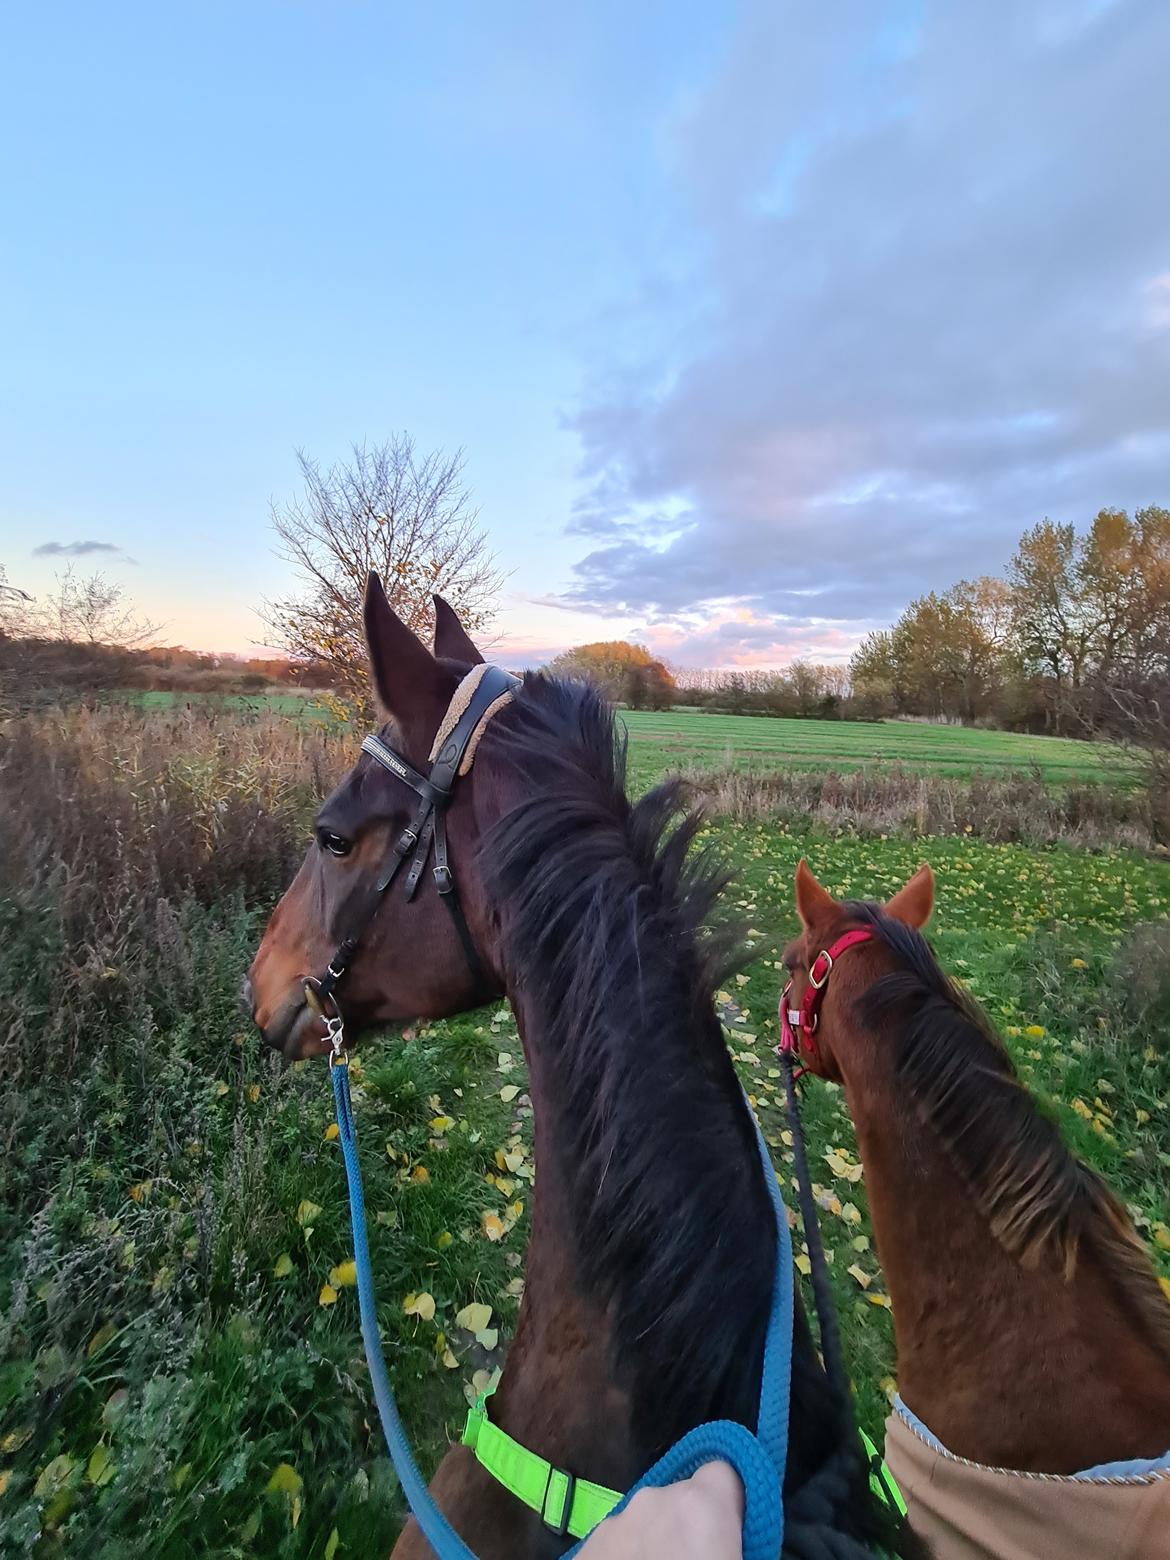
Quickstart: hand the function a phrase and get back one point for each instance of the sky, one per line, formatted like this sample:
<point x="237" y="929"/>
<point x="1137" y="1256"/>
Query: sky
<point x="752" y="321"/>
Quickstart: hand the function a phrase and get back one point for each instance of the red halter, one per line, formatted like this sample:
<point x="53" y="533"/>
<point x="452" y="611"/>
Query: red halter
<point x="799" y="1025"/>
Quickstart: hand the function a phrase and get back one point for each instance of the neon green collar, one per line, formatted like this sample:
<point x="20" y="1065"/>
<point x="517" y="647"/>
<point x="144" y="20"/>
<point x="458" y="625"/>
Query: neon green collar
<point x="574" y="1506"/>
<point x="566" y="1504"/>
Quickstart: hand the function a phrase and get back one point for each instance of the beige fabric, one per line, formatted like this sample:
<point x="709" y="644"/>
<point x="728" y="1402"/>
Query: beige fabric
<point x="460" y="701"/>
<point x="969" y="1512"/>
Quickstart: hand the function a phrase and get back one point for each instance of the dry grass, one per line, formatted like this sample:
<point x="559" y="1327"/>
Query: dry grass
<point x="1019" y="809"/>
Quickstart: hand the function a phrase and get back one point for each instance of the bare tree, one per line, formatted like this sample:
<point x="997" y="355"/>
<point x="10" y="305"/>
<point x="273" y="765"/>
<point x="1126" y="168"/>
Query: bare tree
<point x="89" y="610"/>
<point x="410" y="517"/>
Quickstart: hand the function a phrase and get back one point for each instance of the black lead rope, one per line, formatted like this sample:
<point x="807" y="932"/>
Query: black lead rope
<point x="823" y="1299"/>
<point x="427" y="828"/>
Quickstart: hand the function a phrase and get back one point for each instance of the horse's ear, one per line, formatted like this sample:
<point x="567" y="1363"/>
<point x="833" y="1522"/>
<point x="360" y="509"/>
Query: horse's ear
<point x="407" y="679"/>
<point x="814" y="904"/>
<point x="913" y="903"/>
<point x="451" y="639"/>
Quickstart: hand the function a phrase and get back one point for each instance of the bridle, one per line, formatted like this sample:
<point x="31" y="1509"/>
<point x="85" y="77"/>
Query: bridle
<point x="427" y="827"/>
<point x="799" y="1025"/>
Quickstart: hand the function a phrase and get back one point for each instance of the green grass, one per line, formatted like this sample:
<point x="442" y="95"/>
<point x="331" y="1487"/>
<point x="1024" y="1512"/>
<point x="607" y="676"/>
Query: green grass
<point x="670" y="738"/>
<point x="301" y="706"/>
<point x="174" y="1211"/>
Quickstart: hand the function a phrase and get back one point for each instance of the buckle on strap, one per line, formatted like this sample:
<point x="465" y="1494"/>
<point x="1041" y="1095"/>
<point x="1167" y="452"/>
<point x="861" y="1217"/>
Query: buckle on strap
<point x="820" y="970"/>
<point x="444" y="882"/>
<point x="556" y="1478"/>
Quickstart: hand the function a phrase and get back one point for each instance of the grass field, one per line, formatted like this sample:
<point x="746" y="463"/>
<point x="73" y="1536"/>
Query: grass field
<point x="660" y="740"/>
<point x="181" y="1369"/>
<point x="666" y="738"/>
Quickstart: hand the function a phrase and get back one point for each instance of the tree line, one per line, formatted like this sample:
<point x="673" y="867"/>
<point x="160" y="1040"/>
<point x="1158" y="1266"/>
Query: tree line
<point x="1075" y="631"/>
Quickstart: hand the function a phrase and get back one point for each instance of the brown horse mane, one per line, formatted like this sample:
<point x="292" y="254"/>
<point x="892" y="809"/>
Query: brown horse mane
<point x="1041" y="1202"/>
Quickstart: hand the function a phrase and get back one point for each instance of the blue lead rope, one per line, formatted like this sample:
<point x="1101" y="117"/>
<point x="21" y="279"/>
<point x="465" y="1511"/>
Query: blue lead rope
<point x="758" y="1459"/>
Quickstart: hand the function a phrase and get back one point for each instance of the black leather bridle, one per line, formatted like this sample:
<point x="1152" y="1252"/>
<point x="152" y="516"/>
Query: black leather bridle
<point x="427" y="827"/>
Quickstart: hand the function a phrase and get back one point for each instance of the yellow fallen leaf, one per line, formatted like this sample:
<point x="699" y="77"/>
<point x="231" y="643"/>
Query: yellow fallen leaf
<point x="332" y="1131"/>
<point x="1161" y="1236"/>
<point x="508" y="1093"/>
<point x="344" y="1275"/>
<point x="443" y="1240"/>
<point x="441" y="1123"/>
<point x="804" y="1263"/>
<point x="474" y="1317"/>
<point x="307" y="1211"/>
<point x="422" y="1306"/>
<point x="220" y="1088"/>
<point x="882" y="1300"/>
<point x="493" y="1226"/>
<point x="332" y="1544"/>
<point x="1077" y="964"/>
<point x="284" y="1480"/>
<point x="861" y="1276"/>
<point x="860" y="1243"/>
<point x="1165" y="1283"/>
<point x="1035" y="1031"/>
<point x="283" y="1266"/>
<point x="889" y="1386"/>
<point x="851" y="1214"/>
<point x="141" y="1191"/>
<point x="514" y="1159"/>
<point x="328" y="1295"/>
<point x="448" y="1360"/>
<point x="100" y="1468"/>
<point x="515" y="1287"/>
<point x="104" y="1334"/>
<point x="420" y="1175"/>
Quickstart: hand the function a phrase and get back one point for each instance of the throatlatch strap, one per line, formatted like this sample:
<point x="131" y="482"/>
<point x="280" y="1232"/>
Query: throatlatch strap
<point x="566" y="1504"/>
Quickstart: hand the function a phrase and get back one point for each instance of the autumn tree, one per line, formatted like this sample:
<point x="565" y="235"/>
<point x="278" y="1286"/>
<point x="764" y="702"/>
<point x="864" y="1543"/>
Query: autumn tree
<point x="623" y="671"/>
<point x="390" y="509"/>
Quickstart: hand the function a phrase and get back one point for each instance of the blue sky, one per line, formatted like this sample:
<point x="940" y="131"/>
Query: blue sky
<point x="753" y="321"/>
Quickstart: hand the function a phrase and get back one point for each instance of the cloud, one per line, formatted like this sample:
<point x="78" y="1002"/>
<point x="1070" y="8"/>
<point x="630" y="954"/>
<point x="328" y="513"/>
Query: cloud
<point x="80" y="550"/>
<point x="927" y="307"/>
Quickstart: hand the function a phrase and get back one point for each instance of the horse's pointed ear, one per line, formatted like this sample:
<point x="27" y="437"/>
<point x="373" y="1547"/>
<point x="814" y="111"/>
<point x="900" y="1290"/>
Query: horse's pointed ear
<point x="407" y="678"/>
<point x="451" y="639"/>
<point x="814" y="904"/>
<point x="913" y="903"/>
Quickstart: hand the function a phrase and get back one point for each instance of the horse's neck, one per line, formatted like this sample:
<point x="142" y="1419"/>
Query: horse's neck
<point x="569" y="1390"/>
<point x="1012" y="1367"/>
<point x="556" y="1395"/>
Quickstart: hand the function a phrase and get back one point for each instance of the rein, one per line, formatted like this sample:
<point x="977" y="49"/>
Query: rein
<point x="566" y="1505"/>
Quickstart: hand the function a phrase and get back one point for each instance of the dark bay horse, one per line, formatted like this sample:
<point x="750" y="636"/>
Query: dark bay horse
<point x="652" y="1249"/>
<point x="1031" y="1331"/>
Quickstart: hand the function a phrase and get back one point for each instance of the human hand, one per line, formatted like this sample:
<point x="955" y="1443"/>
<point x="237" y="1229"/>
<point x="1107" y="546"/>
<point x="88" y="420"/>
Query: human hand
<point x="700" y="1518"/>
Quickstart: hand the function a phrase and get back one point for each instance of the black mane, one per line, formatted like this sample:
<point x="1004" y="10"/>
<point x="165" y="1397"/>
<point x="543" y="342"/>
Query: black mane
<point x="603" y="908"/>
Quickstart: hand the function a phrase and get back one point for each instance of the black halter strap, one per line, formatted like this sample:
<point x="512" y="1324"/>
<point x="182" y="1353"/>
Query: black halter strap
<point x="427" y="827"/>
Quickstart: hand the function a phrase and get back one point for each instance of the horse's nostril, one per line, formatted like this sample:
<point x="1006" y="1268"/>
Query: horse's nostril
<point x="247" y="1000"/>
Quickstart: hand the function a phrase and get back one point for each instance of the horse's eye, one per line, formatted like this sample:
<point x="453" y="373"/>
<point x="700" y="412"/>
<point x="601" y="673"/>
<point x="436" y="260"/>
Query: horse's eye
<point x="335" y="844"/>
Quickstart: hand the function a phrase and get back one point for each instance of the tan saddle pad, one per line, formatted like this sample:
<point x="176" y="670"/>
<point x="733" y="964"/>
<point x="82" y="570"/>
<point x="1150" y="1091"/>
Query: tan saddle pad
<point x="968" y="1512"/>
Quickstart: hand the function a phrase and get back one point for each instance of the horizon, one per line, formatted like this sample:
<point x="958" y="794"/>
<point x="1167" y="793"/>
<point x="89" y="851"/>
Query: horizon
<point x="751" y="329"/>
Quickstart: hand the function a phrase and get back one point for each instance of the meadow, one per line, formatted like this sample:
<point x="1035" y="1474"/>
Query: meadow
<point x="674" y="737"/>
<point x="180" y="1364"/>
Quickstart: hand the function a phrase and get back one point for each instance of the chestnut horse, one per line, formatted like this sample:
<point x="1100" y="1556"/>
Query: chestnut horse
<point x="653" y="1244"/>
<point x="1031" y="1332"/>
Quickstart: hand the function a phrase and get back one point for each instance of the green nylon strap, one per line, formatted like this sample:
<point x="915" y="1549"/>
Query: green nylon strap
<point x="537" y="1483"/>
<point x="881" y="1480"/>
<point x="543" y="1488"/>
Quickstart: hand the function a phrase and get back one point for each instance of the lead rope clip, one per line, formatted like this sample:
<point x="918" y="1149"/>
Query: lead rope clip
<point x="335" y="1034"/>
